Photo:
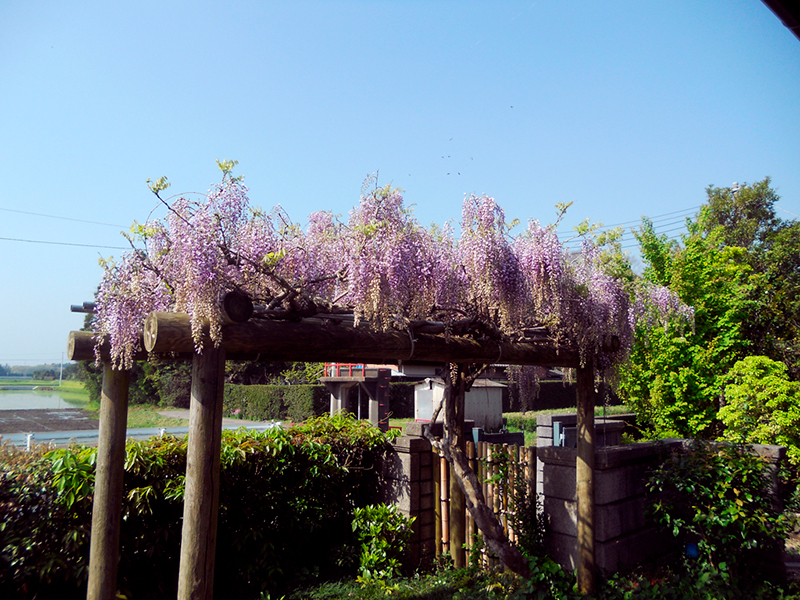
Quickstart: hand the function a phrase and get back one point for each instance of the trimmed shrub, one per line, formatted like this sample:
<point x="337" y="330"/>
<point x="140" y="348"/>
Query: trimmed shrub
<point x="44" y="541"/>
<point x="286" y="507"/>
<point x="294" y="403"/>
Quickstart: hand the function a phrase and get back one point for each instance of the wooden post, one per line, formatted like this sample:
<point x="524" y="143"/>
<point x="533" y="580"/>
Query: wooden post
<point x="201" y="500"/>
<point x="585" y="481"/>
<point x="107" y="502"/>
<point x="470" y="521"/>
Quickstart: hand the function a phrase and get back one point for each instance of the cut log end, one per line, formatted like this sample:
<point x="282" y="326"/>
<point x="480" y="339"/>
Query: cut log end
<point x="237" y="307"/>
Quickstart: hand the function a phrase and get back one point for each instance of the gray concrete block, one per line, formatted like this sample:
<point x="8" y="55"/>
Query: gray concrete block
<point x="621" y="518"/>
<point x="563" y="549"/>
<point x="559" y="481"/>
<point x="612" y="485"/>
<point x="562" y="515"/>
<point x="425" y="473"/>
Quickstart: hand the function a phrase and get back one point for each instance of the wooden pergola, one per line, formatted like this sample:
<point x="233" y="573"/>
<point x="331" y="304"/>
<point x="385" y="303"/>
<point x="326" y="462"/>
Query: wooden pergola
<point x="311" y="339"/>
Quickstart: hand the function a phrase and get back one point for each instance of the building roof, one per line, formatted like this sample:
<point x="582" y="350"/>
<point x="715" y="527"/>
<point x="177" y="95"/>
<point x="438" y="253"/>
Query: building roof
<point x="788" y="13"/>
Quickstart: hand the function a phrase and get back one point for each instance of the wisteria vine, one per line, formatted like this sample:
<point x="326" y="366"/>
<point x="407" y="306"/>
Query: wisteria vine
<point x="381" y="266"/>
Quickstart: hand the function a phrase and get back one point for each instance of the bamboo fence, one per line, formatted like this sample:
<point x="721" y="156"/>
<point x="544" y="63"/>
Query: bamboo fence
<point x="499" y="468"/>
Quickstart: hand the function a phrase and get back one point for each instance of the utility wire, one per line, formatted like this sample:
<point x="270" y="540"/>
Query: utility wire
<point x="25" y="212"/>
<point x="680" y="215"/>
<point x="658" y="217"/>
<point x="64" y="244"/>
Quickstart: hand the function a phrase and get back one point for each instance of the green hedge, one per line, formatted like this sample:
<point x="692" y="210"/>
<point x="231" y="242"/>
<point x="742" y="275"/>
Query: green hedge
<point x="401" y="400"/>
<point x="286" y="507"/>
<point x="294" y="403"/>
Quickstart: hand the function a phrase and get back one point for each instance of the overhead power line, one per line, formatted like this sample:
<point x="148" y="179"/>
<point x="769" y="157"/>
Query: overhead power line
<point x="64" y="244"/>
<point x="657" y="218"/>
<point x="25" y="212"/>
<point x="675" y="216"/>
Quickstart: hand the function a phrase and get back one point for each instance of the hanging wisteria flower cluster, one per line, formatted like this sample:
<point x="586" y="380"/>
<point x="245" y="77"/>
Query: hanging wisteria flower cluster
<point x="381" y="266"/>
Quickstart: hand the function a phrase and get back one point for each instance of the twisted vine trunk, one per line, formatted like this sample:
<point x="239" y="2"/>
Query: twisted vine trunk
<point x="458" y="380"/>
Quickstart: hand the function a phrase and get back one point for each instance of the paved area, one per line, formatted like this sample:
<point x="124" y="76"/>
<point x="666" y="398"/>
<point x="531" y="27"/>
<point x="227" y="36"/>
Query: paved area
<point x="181" y="413"/>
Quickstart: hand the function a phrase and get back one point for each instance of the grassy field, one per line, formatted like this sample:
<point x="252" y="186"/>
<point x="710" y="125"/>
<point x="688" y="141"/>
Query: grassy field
<point x="142" y="416"/>
<point x="147" y="416"/>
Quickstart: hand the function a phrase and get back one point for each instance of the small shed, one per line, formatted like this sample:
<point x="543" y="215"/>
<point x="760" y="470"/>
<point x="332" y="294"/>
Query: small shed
<point x="483" y="403"/>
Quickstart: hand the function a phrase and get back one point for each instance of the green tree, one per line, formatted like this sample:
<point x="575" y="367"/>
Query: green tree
<point x="673" y="377"/>
<point x="747" y="218"/>
<point x="745" y="213"/>
<point x="762" y="405"/>
<point x="739" y="267"/>
<point x="774" y="327"/>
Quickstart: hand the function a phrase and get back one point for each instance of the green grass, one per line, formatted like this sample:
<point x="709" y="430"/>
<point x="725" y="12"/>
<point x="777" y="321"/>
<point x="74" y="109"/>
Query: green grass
<point x="142" y="416"/>
<point x="516" y="420"/>
<point x="463" y="584"/>
<point x="32" y="382"/>
<point x="73" y="392"/>
<point x="400" y="423"/>
<point x="147" y="416"/>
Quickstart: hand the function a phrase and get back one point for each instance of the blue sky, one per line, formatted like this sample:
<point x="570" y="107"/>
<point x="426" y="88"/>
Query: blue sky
<point x="623" y="108"/>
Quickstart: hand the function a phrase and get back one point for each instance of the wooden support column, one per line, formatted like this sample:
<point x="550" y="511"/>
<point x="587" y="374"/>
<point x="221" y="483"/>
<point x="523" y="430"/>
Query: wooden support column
<point x="107" y="502"/>
<point x="585" y="481"/>
<point x="201" y="501"/>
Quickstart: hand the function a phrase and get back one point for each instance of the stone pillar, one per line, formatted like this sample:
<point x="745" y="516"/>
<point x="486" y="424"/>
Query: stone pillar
<point x="407" y="481"/>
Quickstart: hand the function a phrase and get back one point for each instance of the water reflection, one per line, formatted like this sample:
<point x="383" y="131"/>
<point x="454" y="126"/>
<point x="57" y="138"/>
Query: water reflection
<point x="16" y="400"/>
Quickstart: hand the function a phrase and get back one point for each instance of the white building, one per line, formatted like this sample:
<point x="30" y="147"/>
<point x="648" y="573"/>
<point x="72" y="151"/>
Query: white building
<point x="482" y="404"/>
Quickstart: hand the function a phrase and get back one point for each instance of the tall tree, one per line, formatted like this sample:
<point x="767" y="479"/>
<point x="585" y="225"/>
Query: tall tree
<point x="774" y="327"/>
<point x="746" y="213"/>
<point x="739" y="267"/>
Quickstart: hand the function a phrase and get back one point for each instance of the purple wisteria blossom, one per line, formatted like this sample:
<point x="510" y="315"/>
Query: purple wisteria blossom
<point x="382" y="266"/>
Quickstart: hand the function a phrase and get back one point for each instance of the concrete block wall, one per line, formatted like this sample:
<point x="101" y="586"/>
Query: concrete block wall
<point x="623" y="534"/>
<point x="608" y="432"/>
<point x="407" y="482"/>
<point x="623" y="537"/>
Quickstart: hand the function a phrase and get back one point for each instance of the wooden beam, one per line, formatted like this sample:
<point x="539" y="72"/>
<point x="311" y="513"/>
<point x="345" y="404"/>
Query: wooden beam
<point x="81" y="345"/>
<point x="585" y="481"/>
<point x="107" y="502"/>
<point x="321" y="340"/>
<point x="201" y="499"/>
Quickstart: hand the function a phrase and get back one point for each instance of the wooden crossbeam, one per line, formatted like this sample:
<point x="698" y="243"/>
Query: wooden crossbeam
<point x="318" y="340"/>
